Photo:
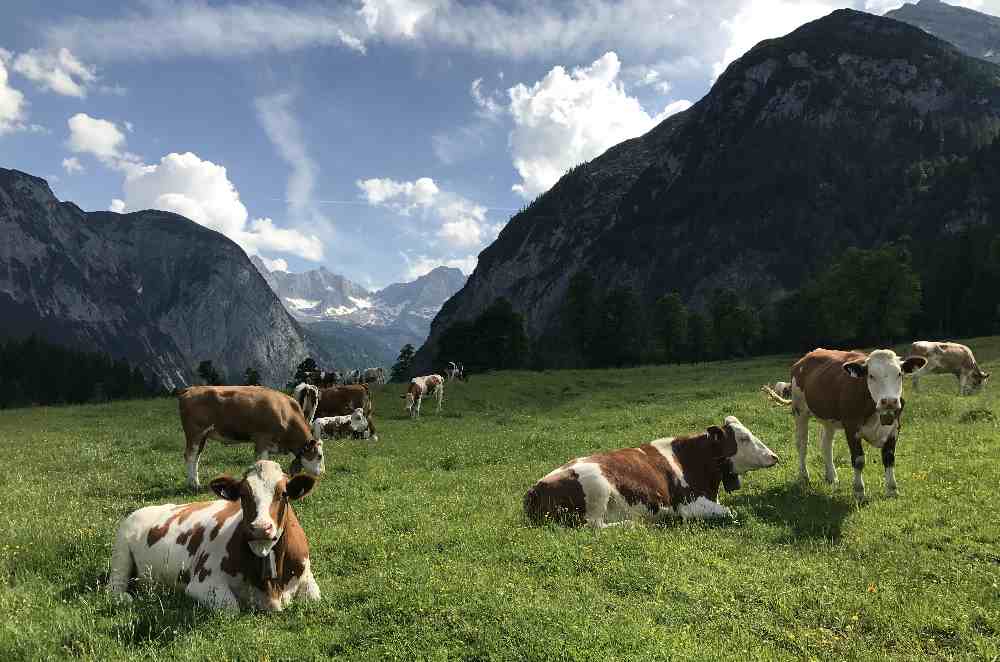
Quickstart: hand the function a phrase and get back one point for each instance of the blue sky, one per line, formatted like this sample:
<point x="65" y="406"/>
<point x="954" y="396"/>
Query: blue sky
<point x="379" y="138"/>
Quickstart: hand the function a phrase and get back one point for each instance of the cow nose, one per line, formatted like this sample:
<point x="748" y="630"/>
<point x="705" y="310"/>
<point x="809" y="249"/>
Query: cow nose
<point x="264" y="528"/>
<point x="890" y="403"/>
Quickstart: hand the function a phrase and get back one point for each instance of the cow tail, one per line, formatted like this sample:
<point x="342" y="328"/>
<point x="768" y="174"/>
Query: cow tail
<point x="774" y="397"/>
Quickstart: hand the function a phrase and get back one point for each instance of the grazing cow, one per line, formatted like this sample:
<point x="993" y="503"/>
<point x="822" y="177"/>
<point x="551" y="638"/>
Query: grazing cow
<point x="666" y="477"/>
<point x="246" y="549"/>
<point x="344" y="400"/>
<point x="339" y="427"/>
<point x="271" y="420"/>
<point x="455" y="371"/>
<point x="861" y="393"/>
<point x="951" y="358"/>
<point x="421" y="387"/>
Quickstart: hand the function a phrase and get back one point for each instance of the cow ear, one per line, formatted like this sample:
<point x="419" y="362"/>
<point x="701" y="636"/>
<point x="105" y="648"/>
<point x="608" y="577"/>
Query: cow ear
<point x="299" y="486"/>
<point x="226" y="487"/>
<point x="913" y="364"/>
<point x="856" y="369"/>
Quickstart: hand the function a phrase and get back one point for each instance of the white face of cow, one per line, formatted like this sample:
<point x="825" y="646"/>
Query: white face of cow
<point x="261" y="492"/>
<point x="883" y="371"/>
<point x="751" y="453"/>
<point x="358" y="422"/>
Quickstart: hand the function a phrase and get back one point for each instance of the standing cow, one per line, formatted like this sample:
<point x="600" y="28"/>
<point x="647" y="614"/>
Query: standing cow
<point x="421" y="387"/>
<point x="246" y="549"/>
<point x="861" y="393"/>
<point x="950" y="358"/>
<point x="343" y="401"/>
<point x="271" y="420"/>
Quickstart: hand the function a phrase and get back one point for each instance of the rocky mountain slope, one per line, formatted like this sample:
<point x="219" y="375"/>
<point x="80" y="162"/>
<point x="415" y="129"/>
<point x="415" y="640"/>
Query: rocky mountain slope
<point x="375" y="323"/>
<point x="973" y="32"/>
<point x="152" y="287"/>
<point x="803" y="147"/>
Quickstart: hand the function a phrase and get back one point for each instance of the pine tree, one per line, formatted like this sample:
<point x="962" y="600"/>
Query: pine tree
<point x="251" y="377"/>
<point x="209" y="374"/>
<point x="404" y="364"/>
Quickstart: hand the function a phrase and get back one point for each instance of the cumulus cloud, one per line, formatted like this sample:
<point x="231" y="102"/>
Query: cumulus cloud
<point x="13" y="109"/>
<point x="570" y="117"/>
<point x="101" y="139"/>
<point x="420" y="265"/>
<point x="117" y="205"/>
<point x="71" y="165"/>
<point x="200" y="190"/>
<point x="58" y="71"/>
<point x="401" y="196"/>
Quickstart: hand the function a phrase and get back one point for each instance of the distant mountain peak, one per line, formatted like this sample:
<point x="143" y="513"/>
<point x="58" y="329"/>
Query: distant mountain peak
<point x="973" y="32"/>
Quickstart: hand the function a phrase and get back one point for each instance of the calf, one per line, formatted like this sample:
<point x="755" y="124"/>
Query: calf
<point x="861" y="393"/>
<point x="666" y="477"/>
<point x="238" y="414"/>
<point x="951" y="358"/>
<point x="338" y="427"/>
<point x="344" y="400"/>
<point x="421" y="387"/>
<point x="246" y="549"/>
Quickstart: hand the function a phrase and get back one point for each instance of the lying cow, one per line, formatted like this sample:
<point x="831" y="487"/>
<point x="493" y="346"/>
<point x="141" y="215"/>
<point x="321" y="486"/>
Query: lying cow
<point x="666" y="477"/>
<point x="338" y="427"/>
<point x="784" y="389"/>
<point x="421" y="387"/>
<point x="951" y="358"/>
<point x="861" y="393"/>
<point x="238" y="414"/>
<point x="246" y="549"/>
<point x="342" y="401"/>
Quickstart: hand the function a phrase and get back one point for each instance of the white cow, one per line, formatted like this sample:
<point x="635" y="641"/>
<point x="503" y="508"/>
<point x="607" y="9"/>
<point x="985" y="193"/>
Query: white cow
<point x="338" y="427"/>
<point x="950" y="358"/>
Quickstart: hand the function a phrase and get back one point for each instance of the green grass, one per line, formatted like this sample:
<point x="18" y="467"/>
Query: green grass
<point x="421" y="551"/>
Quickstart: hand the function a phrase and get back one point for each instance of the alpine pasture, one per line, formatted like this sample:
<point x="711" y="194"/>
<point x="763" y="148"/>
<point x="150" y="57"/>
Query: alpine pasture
<point x="421" y="550"/>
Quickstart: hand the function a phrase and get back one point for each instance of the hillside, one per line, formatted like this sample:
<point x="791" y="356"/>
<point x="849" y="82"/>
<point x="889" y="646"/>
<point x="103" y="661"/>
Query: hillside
<point x="151" y="287"/>
<point x="802" y="148"/>
<point x="974" y="33"/>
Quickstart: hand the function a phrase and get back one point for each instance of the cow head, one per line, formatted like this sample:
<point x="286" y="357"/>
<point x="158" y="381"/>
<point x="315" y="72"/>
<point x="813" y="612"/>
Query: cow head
<point x="309" y="459"/>
<point x="883" y="372"/>
<point x="358" y="421"/>
<point x="745" y="451"/>
<point x="263" y="493"/>
<point x="977" y="380"/>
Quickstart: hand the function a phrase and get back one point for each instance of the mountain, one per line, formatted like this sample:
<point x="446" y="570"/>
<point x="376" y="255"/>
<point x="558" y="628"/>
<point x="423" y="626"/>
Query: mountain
<point x="803" y="147"/>
<point x="974" y="33"/>
<point x="151" y="287"/>
<point x="366" y="327"/>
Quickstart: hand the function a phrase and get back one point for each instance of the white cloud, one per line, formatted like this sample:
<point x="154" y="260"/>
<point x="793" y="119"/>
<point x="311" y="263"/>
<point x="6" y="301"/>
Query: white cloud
<point x="117" y="205"/>
<point x="13" y="109"/>
<point x="488" y="107"/>
<point x="401" y="196"/>
<point x="71" y="165"/>
<point x="274" y="265"/>
<point x="200" y="190"/>
<point x="58" y="71"/>
<point x="422" y="264"/>
<point x="129" y="127"/>
<point x="102" y="139"/>
<point x="397" y="18"/>
<point x="284" y="131"/>
<point x="766" y="19"/>
<point x="567" y="118"/>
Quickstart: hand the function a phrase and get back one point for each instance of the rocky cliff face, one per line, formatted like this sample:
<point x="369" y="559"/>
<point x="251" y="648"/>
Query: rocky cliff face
<point x="974" y="33"/>
<point x="152" y="287"/>
<point x="369" y="326"/>
<point x="801" y="148"/>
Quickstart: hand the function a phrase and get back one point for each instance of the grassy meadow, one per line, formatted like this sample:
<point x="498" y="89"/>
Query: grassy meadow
<point x="421" y="551"/>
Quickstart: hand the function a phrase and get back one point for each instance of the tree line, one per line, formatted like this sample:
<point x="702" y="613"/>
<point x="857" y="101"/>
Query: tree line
<point x="36" y="372"/>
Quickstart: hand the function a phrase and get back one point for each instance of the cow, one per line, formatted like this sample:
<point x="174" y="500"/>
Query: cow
<point x="421" y="387"/>
<point x="344" y="400"/>
<point x="307" y="395"/>
<point x="339" y="427"/>
<point x="784" y="389"/>
<point x="674" y="476"/>
<point x="274" y="422"/>
<point x="951" y="358"/>
<point x="373" y="376"/>
<point x="246" y="549"/>
<point x="861" y="393"/>
<point x="455" y="371"/>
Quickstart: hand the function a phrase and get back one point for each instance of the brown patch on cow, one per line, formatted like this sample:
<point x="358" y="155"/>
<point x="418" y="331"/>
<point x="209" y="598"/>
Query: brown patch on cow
<point x="200" y="567"/>
<point x="558" y="497"/>
<point x="831" y="394"/>
<point x="197" y="536"/>
<point x="231" y="509"/>
<point x="290" y="554"/>
<point x="180" y="514"/>
<point x="640" y="475"/>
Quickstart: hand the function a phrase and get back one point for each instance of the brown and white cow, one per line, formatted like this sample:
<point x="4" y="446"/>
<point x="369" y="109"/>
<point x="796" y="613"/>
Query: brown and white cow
<point x="338" y="427"/>
<point x="677" y="476"/>
<point x="240" y="414"/>
<point x="246" y="549"/>
<point x="949" y="358"/>
<point x="343" y="401"/>
<point x="861" y="393"/>
<point x="421" y="387"/>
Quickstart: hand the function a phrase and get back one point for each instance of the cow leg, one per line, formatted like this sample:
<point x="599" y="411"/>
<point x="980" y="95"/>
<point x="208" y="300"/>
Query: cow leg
<point x="857" y="461"/>
<point x="889" y="463"/>
<point x="826" y="445"/>
<point x="440" y="396"/>
<point x="916" y="382"/>
<point x="372" y="434"/>
<point x="213" y="595"/>
<point x="802" y="443"/>
<point x="192" y="454"/>
<point x="702" y="508"/>
<point x="308" y="588"/>
<point x="122" y="570"/>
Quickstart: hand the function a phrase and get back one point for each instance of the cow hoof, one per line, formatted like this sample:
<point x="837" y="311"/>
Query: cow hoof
<point x="859" y="495"/>
<point x="892" y="493"/>
<point x="832" y="479"/>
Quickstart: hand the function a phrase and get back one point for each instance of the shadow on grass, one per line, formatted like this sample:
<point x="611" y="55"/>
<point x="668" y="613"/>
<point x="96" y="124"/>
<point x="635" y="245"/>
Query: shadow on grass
<point x="807" y="514"/>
